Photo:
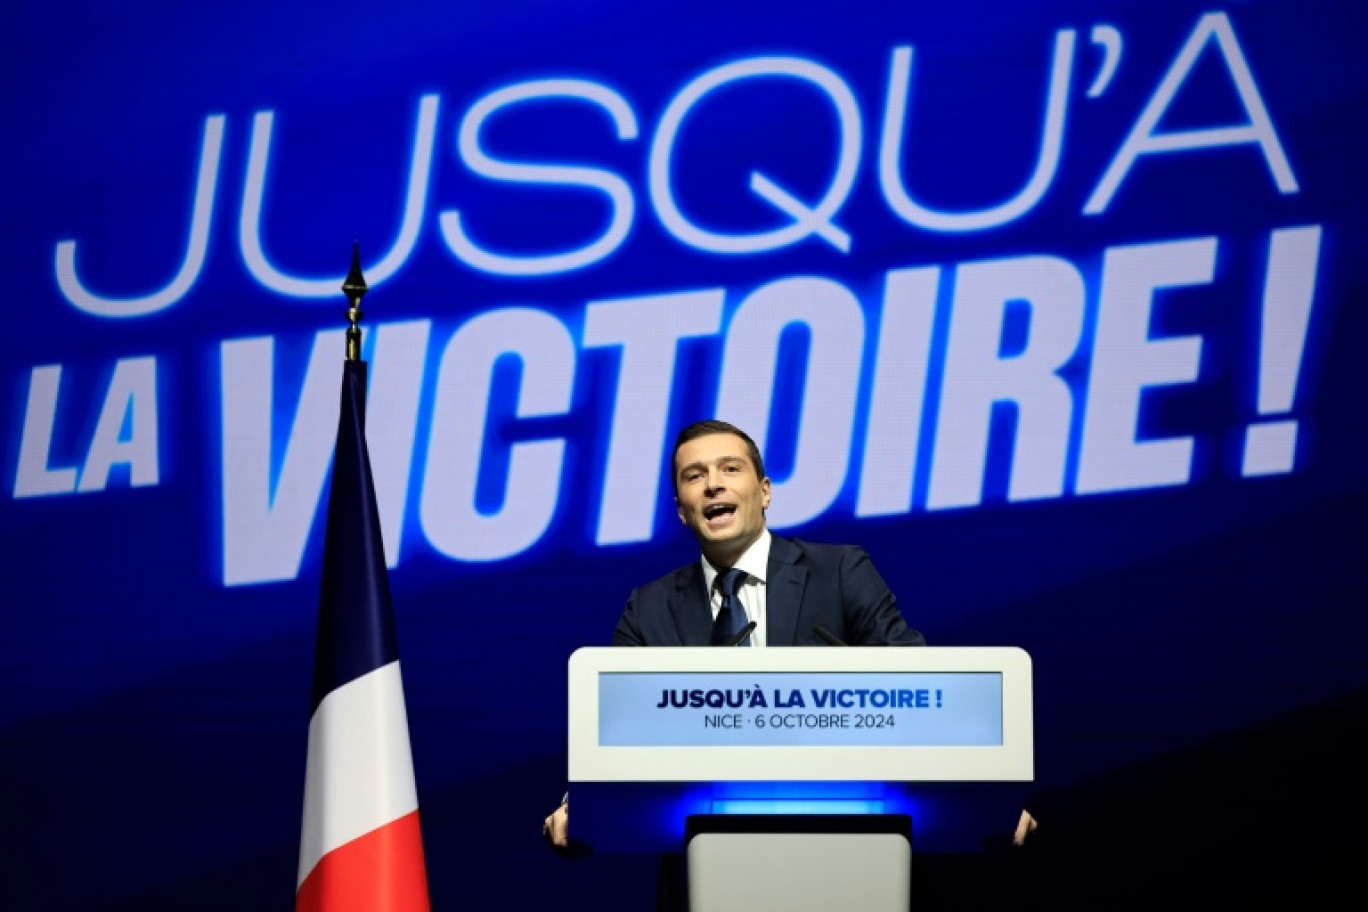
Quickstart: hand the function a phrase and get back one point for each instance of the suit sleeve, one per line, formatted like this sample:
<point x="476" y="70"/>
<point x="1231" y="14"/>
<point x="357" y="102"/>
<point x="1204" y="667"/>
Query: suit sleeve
<point x="871" y="610"/>
<point x="628" y="630"/>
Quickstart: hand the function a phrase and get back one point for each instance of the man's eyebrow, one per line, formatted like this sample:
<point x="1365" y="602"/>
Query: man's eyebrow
<point x="720" y="461"/>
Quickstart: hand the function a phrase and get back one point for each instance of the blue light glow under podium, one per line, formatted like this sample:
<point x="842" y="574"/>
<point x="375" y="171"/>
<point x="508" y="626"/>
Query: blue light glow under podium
<point x="651" y="817"/>
<point x="789" y="798"/>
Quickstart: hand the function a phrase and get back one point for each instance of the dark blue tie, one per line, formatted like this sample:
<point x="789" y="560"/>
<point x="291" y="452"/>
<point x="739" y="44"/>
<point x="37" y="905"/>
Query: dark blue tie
<point x="732" y="617"/>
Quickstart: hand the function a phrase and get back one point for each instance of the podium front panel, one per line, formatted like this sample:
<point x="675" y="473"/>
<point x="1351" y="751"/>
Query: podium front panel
<point x="910" y="714"/>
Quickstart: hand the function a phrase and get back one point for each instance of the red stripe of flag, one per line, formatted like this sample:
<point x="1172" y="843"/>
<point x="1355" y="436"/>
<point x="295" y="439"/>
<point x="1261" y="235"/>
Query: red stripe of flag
<point x="382" y="870"/>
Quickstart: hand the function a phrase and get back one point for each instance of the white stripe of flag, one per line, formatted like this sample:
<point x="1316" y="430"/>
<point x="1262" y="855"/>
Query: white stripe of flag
<point x="360" y="771"/>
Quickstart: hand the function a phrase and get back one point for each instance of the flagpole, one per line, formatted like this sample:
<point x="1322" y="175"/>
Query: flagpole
<point x="361" y="842"/>
<point x="355" y="288"/>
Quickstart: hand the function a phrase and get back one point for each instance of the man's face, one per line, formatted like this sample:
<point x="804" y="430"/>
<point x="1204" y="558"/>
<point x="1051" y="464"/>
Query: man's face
<point x="720" y="496"/>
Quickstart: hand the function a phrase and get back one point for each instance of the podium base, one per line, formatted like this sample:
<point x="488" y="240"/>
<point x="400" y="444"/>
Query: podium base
<point x="799" y="863"/>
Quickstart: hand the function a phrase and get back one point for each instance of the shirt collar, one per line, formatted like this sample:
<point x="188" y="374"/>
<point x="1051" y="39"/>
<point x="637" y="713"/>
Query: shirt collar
<point x="755" y="561"/>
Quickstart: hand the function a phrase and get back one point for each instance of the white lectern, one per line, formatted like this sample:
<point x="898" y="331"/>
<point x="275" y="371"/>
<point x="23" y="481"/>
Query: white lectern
<point x="777" y="770"/>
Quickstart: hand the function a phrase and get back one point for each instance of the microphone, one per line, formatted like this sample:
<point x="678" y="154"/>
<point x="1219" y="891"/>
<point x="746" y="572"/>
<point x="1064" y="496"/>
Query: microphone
<point x="741" y="635"/>
<point x="827" y="636"/>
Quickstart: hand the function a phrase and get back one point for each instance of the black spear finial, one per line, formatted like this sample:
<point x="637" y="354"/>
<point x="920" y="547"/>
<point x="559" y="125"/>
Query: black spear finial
<point x="355" y="289"/>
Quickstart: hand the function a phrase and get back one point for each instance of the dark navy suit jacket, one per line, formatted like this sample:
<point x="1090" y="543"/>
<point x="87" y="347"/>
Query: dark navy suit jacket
<point x="809" y="585"/>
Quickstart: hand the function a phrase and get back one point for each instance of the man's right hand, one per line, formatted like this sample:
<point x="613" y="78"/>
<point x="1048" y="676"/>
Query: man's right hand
<point x="556" y="829"/>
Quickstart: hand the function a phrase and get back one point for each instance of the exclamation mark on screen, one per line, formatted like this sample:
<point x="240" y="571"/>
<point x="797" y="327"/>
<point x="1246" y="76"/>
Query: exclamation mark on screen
<point x="1271" y="444"/>
<point x="938" y="698"/>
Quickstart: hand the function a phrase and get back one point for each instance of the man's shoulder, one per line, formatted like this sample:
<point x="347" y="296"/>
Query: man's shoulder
<point x="679" y="576"/>
<point x="792" y="549"/>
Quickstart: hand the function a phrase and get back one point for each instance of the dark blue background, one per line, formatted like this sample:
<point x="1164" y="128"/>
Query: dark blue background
<point x="1198" y="649"/>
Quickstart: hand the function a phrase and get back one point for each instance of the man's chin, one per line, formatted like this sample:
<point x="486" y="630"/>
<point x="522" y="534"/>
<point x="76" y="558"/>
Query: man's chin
<point x="723" y="546"/>
<point x="721" y="534"/>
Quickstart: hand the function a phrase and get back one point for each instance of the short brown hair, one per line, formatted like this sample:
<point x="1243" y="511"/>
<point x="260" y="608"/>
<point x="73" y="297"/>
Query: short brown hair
<point x="713" y="426"/>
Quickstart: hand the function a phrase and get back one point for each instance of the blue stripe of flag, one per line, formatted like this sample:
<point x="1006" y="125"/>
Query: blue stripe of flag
<point x="355" y="615"/>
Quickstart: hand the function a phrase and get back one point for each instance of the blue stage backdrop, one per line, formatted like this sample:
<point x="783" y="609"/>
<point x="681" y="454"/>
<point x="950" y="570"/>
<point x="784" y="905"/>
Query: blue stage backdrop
<point x="1057" y="308"/>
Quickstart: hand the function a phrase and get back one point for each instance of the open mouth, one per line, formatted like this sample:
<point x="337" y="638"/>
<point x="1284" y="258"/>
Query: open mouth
<point x="718" y="511"/>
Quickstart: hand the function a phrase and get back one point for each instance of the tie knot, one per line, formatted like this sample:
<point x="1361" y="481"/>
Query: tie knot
<point x="729" y="580"/>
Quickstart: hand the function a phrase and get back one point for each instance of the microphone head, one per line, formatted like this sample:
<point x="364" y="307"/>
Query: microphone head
<point x="742" y="634"/>
<point x="827" y="636"/>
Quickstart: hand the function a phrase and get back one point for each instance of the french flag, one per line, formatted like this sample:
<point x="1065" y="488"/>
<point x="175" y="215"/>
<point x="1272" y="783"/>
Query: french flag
<point x="361" y="847"/>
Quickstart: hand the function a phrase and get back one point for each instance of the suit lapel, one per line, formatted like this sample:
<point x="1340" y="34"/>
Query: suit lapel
<point x="690" y="608"/>
<point x="784" y="592"/>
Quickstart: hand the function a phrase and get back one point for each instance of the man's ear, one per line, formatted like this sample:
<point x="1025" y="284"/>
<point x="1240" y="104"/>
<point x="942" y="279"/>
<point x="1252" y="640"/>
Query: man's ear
<point x="764" y="493"/>
<point x="679" y="511"/>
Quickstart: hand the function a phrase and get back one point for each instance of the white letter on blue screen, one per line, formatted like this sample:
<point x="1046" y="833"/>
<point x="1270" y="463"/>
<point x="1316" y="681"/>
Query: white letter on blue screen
<point x="132" y="396"/>
<point x="649" y="330"/>
<point x="806" y="220"/>
<point x="898" y="398"/>
<point x="1125" y="361"/>
<point x="35" y="477"/>
<point x="265" y="526"/>
<point x="397" y="358"/>
<point x="196" y="245"/>
<point x="835" y="324"/>
<point x="977" y="376"/>
<point x="452" y="522"/>
<point x="1144" y="141"/>
<point x="253" y="193"/>
<point x="1047" y="161"/>
<point x="618" y="192"/>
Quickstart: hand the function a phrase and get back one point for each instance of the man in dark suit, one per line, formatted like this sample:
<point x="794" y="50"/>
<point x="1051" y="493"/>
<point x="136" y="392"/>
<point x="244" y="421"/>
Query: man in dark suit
<point x="794" y="591"/>
<point x="790" y="588"/>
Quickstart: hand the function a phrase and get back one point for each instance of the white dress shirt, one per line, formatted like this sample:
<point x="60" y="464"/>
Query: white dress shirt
<point x="754" y="563"/>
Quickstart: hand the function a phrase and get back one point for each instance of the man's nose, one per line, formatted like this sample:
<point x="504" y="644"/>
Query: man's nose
<point x="715" y="480"/>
